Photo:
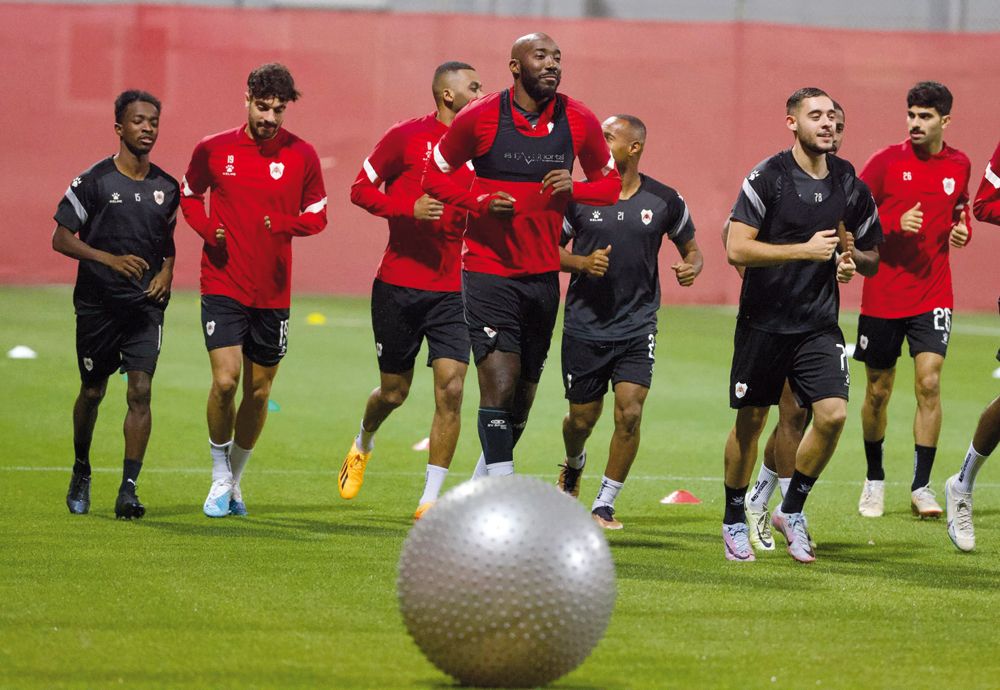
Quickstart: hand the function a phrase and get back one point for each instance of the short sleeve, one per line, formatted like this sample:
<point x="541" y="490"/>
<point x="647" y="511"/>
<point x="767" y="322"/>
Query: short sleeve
<point x="756" y="195"/>
<point x="78" y="204"/>
<point x="861" y="219"/>
<point x="569" y="225"/>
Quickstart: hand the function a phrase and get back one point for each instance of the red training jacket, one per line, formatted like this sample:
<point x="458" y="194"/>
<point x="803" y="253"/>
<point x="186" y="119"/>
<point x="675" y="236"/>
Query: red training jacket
<point x="914" y="274"/>
<point x="987" y="203"/>
<point x="279" y="178"/>
<point x="529" y="242"/>
<point x="421" y="254"/>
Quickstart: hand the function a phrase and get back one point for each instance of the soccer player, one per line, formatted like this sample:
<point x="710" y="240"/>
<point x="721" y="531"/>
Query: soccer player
<point x="921" y="187"/>
<point x="266" y="188"/>
<point x="609" y="330"/>
<point x="785" y="229"/>
<point x="958" y="488"/>
<point x="779" y="451"/>
<point x="117" y="219"/>
<point x="522" y="143"/>
<point x="417" y="291"/>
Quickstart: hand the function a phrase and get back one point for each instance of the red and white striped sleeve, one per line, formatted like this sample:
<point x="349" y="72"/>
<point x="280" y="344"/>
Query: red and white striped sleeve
<point x="385" y="163"/>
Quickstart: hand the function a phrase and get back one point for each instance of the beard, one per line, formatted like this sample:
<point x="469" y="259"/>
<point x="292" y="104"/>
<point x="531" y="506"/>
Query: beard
<point x="540" y="93"/>
<point x="262" y="132"/>
<point x="814" y="146"/>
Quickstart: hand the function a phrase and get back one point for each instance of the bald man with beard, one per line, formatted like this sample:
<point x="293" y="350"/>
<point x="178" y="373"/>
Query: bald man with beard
<point x="522" y="143"/>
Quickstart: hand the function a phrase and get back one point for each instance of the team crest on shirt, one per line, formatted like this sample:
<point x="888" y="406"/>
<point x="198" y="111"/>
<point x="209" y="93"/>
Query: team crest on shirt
<point x="863" y="342"/>
<point x="88" y="364"/>
<point x="378" y="349"/>
<point x="741" y="389"/>
<point x="647" y="216"/>
<point x="158" y="197"/>
<point x="490" y="333"/>
<point x="210" y="327"/>
<point x="949" y="185"/>
<point x="277" y="169"/>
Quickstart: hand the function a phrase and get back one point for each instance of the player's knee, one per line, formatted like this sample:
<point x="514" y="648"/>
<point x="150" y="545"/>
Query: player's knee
<point x="91" y="396"/>
<point x="830" y="422"/>
<point x="877" y="393"/>
<point x="394" y="397"/>
<point x="449" y="396"/>
<point x="929" y="388"/>
<point x="224" y="388"/>
<point x="581" y="422"/>
<point x="628" y="418"/>
<point x="139" y="394"/>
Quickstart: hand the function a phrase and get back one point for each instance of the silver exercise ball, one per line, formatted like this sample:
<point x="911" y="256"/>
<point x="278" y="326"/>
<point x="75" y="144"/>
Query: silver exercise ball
<point x="507" y="582"/>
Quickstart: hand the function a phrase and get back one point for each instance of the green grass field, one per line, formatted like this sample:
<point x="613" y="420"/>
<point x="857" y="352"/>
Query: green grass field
<point x="302" y="592"/>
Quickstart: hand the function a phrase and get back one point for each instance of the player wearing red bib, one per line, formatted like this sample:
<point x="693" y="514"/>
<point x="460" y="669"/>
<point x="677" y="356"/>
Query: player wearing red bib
<point x="922" y="189"/>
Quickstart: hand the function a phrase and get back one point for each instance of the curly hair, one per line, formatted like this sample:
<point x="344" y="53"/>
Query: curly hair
<point x="272" y="80"/>
<point x="930" y="94"/>
<point x="126" y="98"/>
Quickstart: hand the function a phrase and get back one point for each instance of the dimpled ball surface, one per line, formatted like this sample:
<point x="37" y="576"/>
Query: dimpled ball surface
<point x="506" y="582"/>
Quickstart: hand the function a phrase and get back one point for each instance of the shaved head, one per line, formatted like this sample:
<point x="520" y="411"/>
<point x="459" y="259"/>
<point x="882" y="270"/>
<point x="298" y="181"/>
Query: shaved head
<point x="525" y="44"/>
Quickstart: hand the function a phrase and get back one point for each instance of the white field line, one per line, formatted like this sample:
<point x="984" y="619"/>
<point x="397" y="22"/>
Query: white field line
<point x="207" y="470"/>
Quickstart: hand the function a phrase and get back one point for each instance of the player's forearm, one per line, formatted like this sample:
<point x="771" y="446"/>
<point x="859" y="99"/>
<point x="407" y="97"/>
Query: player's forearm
<point x="167" y="271"/>
<point x="695" y="260"/>
<point x="866" y="261"/>
<point x="440" y="186"/>
<point x="987" y="209"/>
<point x="571" y="263"/>
<point x="193" y="208"/>
<point x="601" y="192"/>
<point x="376" y="202"/>
<point x="68" y="244"/>
<point x="309" y="223"/>
<point x="752" y="253"/>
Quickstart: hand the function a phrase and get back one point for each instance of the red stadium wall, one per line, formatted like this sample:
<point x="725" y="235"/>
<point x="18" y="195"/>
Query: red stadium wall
<point x="712" y="96"/>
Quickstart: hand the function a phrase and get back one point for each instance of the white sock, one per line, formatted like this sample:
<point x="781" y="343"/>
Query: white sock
<point x="432" y="483"/>
<point x="497" y="469"/>
<point x="238" y="459"/>
<point x="763" y="489"/>
<point x="480" y="470"/>
<point x="577" y="462"/>
<point x="607" y="494"/>
<point x="970" y="468"/>
<point x="220" y="460"/>
<point x="784" y="483"/>
<point x="365" y="440"/>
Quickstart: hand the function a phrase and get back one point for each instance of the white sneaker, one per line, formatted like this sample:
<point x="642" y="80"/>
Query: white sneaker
<point x="922" y="503"/>
<point x="760" y="529"/>
<point x="959" y="506"/>
<point x="872" y="503"/>
<point x="217" y="502"/>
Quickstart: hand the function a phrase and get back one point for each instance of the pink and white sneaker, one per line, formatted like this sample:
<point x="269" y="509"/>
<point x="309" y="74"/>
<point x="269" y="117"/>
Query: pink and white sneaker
<point x="736" y="539"/>
<point x="793" y="528"/>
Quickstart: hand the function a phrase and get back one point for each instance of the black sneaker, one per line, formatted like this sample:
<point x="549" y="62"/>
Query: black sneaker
<point x="569" y="480"/>
<point x="78" y="496"/>
<point x="127" y="506"/>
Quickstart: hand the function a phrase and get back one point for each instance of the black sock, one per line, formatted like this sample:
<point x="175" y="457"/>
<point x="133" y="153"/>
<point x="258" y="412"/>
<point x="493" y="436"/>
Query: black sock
<point x="735" y="509"/>
<point x="82" y="464"/>
<point x="798" y="491"/>
<point x="923" y="461"/>
<point x="130" y="471"/>
<point x="873" y="454"/>
<point x="518" y="427"/>
<point x="496" y="435"/>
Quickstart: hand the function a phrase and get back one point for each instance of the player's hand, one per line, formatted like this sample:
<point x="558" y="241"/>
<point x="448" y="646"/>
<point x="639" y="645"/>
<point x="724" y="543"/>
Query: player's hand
<point x="597" y="263"/>
<point x="267" y="222"/>
<point x="128" y="265"/>
<point x="427" y="208"/>
<point x="220" y="237"/>
<point x="912" y="219"/>
<point x="821" y="246"/>
<point x="960" y="233"/>
<point x="685" y="273"/>
<point x="159" y="288"/>
<point x="560" y="180"/>
<point x="501" y="206"/>
<point x="845" y="267"/>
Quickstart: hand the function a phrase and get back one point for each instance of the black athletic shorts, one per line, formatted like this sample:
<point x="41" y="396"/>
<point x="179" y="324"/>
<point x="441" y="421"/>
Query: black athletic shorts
<point x="814" y="363"/>
<point x="129" y="339"/>
<point x="588" y="365"/>
<point x="263" y="333"/>
<point x="402" y="317"/>
<point x="880" y="341"/>
<point x="512" y="315"/>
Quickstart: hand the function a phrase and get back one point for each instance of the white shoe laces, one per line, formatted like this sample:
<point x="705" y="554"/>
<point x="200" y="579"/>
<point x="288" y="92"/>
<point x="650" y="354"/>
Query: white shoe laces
<point x="740" y="534"/>
<point x="963" y="514"/>
<point x="797" y="523"/>
<point x="219" y="487"/>
<point x="762" y="523"/>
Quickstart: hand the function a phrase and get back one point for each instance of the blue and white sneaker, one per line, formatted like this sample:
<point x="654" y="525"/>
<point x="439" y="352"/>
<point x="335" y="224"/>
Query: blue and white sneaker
<point x="736" y="539"/>
<point x="217" y="503"/>
<point x="236" y="505"/>
<point x="792" y="527"/>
